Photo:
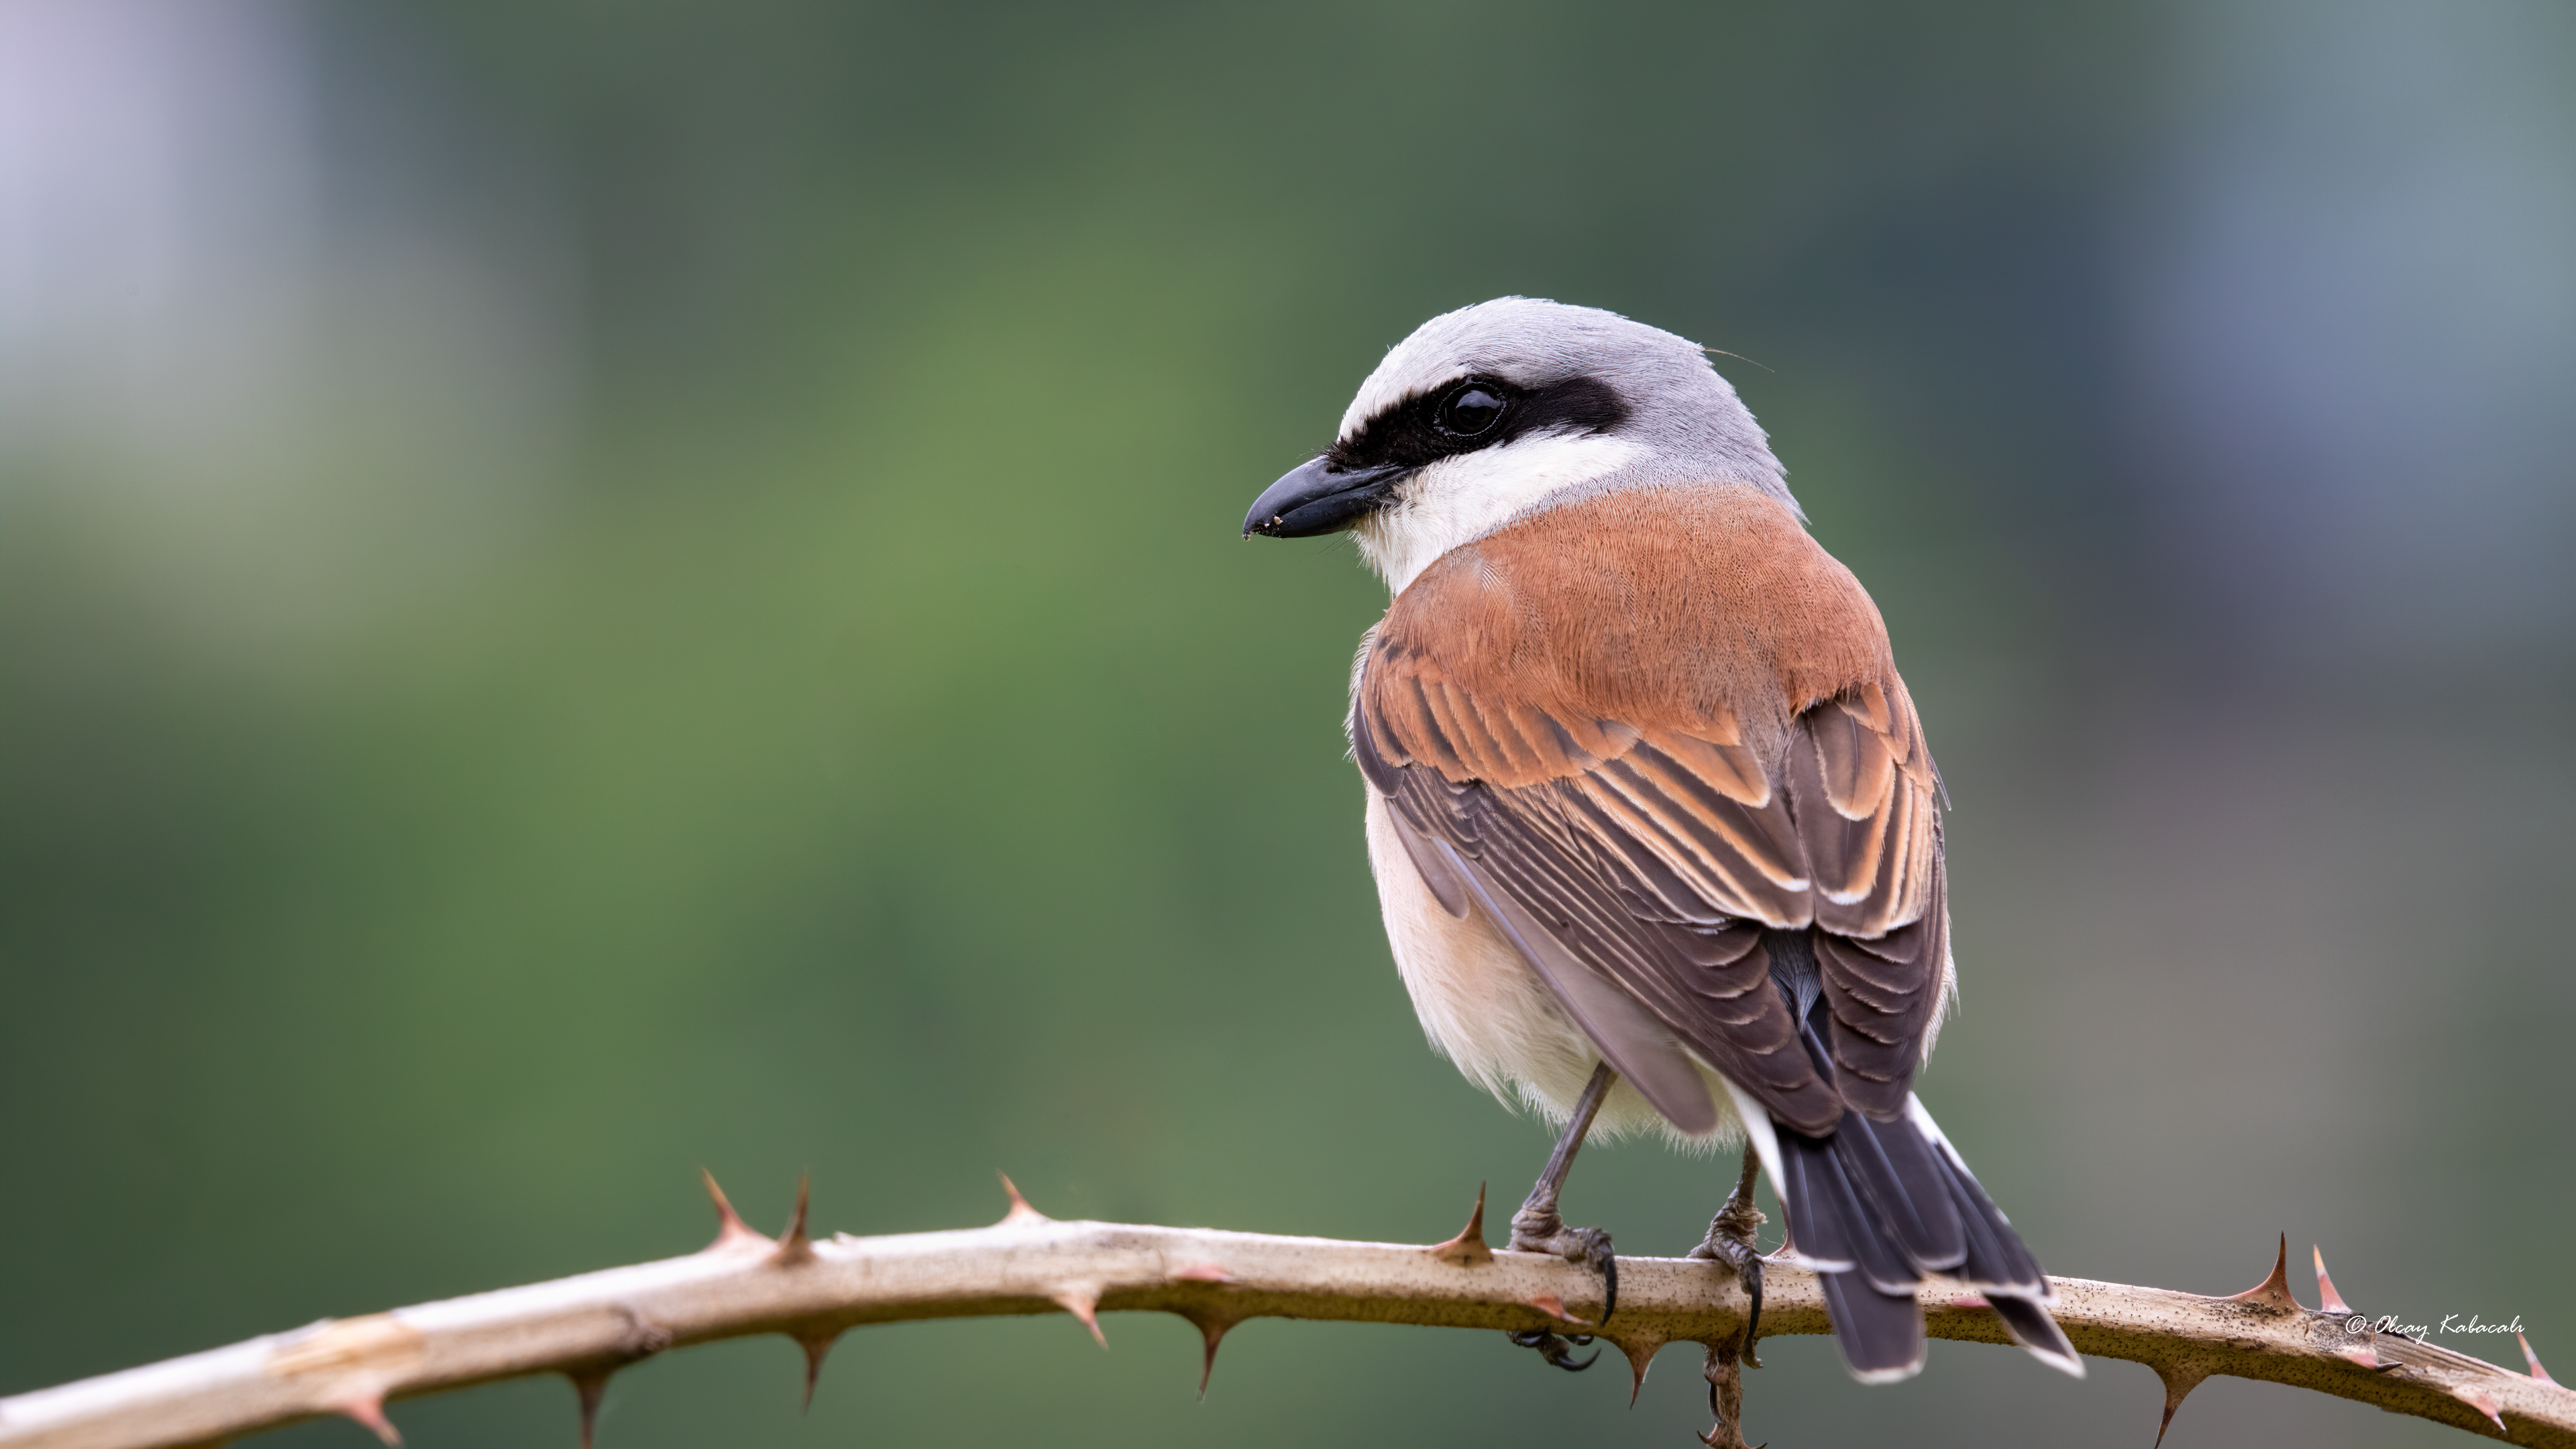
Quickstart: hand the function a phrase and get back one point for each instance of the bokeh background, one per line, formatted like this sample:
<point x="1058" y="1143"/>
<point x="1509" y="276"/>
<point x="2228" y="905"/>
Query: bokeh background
<point x="588" y="590"/>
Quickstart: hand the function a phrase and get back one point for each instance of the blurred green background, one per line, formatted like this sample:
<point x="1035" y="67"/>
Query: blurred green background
<point x="588" y="590"/>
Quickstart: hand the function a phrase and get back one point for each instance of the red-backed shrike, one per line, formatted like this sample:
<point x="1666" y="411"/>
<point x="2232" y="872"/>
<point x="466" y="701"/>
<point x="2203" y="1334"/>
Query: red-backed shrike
<point x="1654" y="826"/>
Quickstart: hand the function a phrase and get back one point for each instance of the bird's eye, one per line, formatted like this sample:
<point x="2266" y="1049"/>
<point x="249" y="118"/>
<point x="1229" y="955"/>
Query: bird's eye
<point x="1470" y="410"/>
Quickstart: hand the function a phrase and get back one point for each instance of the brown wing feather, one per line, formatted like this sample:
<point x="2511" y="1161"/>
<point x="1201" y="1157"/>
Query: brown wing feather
<point x="1865" y="820"/>
<point x="1881" y="996"/>
<point x="1649" y="835"/>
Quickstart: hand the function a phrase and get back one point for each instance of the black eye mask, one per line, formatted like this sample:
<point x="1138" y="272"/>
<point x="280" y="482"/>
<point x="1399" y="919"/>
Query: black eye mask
<point x="1473" y="413"/>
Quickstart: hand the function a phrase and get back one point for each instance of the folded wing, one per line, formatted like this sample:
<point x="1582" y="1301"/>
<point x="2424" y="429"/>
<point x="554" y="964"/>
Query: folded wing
<point x="1653" y="854"/>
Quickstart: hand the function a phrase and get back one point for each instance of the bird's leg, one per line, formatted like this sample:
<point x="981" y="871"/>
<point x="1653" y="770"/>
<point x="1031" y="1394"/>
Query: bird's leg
<point x="1536" y="1228"/>
<point x="1730" y="1241"/>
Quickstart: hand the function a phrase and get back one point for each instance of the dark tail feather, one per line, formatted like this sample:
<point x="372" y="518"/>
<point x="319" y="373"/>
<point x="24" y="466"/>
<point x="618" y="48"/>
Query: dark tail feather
<point x="1902" y="1178"/>
<point x="1894" y="1189"/>
<point x="1815" y="1225"/>
<point x="1996" y="1261"/>
<point x="1877" y="1205"/>
<point x="1845" y="1227"/>
<point x="1998" y="1265"/>
<point x="1880" y="1334"/>
<point x="1869" y="1286"/>
<point x="2032" y="1328"/>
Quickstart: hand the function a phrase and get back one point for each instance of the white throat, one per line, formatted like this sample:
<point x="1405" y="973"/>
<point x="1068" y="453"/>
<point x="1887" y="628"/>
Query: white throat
<point x="1459" y="500"/>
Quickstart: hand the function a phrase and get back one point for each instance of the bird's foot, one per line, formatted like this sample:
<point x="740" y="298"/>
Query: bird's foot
<point x="1730" y="1241"/>
<point x="1552" y="1346"/>
<point x="1537" y="1229"/>
<point x="1540" y="1230"/>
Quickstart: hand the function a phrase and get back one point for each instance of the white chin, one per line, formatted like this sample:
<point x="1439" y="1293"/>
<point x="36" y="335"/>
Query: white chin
<point x="1462" y="499"/>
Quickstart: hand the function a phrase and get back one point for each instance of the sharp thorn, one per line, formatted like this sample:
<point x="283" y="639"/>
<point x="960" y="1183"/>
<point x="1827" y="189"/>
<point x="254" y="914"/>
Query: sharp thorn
<point x="2274" y="1290"/>
<point x="368" y="1409"/>
<point x="1468" y="1249"/>
<point x="2484" y="1403"/>
<point x="2533" y="1359"/>
<point x="816" y="1345"/>
<point x="1021" y="1212"/>
<point x="1554" y="1307"/>
<point x="731" y="1231"/>
<point x="2329" y="1301"/>
<point x="1641" y="1353"/>
<point x="1082" y="1300"/>
<point x="592" y="1387"/>
<point x="1213" y="1330"/>
<point x="2179" y="1381"/>
<point x="793" y="1245"/>
<point x="726" y="1217"/>
<point x="1200" y="1273"/>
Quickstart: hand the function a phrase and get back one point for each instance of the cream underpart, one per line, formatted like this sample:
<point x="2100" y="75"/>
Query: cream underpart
<point x="1459" y="500"/>
<point x="1487" y="1012"/>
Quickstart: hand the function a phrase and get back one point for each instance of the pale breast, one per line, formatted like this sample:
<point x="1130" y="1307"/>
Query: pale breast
<point x="1487" y="1011"/>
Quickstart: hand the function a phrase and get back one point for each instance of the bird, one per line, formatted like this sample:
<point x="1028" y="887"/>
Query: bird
<point x="1655" y="829"/>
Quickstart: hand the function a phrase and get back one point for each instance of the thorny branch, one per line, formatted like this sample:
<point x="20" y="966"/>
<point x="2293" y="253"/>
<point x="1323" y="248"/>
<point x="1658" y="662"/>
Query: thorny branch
<point x="589" y="1326"/>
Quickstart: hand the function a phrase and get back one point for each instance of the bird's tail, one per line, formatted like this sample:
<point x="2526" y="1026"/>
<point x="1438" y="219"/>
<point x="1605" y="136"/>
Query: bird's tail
<point x="1875" y="1205"/>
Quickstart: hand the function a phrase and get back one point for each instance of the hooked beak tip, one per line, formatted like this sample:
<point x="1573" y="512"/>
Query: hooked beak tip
<point x="1316" y="498"/>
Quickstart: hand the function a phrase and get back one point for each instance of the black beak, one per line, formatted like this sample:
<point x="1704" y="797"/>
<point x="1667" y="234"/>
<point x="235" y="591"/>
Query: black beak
<point x="1317" y="498"/>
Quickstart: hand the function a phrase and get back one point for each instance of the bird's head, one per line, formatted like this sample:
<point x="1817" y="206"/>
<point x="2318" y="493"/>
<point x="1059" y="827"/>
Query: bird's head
<point x="1495" y="412"/>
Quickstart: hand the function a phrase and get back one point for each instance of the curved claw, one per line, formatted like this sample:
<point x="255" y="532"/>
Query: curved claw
<point x="1731" y="1240"/>
<point x="1584" y="1248"/>
<point x="1749" y="1274"/>
<point x="1552" y="1347"/>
